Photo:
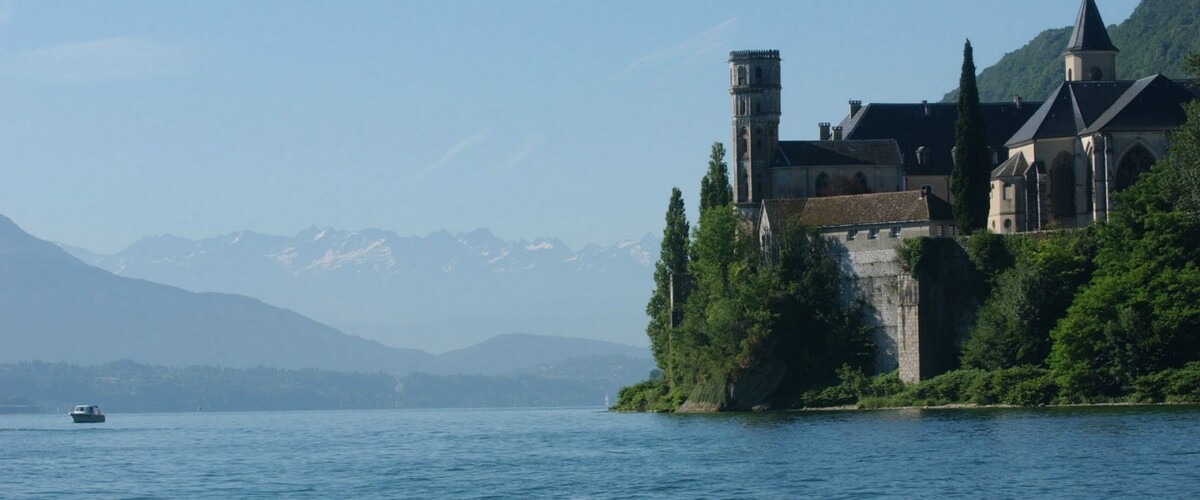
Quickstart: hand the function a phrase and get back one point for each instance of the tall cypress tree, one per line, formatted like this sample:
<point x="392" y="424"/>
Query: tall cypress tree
<point x="670" y="275"/>
<point x="972" y="162"/>
<point x="715" y="190"/>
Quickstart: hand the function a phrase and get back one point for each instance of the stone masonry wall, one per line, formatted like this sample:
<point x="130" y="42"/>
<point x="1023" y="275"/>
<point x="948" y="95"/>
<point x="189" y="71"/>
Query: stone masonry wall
<point x="893" y="302"/>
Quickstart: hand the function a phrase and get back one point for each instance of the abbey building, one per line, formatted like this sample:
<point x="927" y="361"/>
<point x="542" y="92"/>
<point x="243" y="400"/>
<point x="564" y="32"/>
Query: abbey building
<point x="1055" y="163"/>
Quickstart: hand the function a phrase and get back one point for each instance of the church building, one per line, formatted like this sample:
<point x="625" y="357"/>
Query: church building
<point x="1091" y="138"/>
<point x="1055" y="163"/>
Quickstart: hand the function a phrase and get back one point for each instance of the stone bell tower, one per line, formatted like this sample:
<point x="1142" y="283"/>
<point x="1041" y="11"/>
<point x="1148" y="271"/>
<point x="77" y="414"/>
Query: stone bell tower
<point x="754" y="88"/>
<point x="1090" y="55"/>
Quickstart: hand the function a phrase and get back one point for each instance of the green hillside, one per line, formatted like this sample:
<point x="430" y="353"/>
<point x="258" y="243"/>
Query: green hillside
<point x="1154" y="39"/>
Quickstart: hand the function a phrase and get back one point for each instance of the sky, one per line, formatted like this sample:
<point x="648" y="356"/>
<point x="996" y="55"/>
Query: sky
<point x="567" y="119"/>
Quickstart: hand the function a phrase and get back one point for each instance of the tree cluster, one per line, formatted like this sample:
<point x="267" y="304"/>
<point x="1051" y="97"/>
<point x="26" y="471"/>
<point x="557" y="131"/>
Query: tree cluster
<point x="750" y="326"/>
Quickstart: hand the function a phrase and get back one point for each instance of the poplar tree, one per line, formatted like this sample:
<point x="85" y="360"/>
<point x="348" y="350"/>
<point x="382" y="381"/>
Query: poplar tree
<point x="671" y="271"/>
<point x="972" y="162"/>
<point x="715" y="190"/>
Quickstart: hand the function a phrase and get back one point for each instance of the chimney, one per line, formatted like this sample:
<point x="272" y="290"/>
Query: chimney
<point x="823" y="127"/>
<point x="854" y="107"/>
<point x="925" y="104"/>
<point x="837" y="133"/>
<point x="1017" y="100"/>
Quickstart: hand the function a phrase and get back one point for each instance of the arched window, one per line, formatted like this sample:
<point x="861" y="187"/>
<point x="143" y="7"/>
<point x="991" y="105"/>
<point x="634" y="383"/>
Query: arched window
<point x="822" y="185"/>
<point x="1137" y="160"/>
<point x="741" y="75"/>
<point x="861" y="180"/>
<point x="1095" y="74"/>
<point x="1062" y="185"/>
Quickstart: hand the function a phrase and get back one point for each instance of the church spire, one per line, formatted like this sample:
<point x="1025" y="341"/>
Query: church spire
<point x="1090" y="54"/>
<point x="1089" y="33"/>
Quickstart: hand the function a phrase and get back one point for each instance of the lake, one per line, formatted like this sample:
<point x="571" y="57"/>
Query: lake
<point x="588" y="453"/>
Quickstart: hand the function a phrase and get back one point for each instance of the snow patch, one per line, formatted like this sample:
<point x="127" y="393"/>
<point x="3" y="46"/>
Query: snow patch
<point x="545" y="245"/>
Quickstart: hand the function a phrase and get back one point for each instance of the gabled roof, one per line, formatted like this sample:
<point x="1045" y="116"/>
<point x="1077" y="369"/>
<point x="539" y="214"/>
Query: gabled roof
<point x="1152" y="103"/>
<point x="819" y="153"/>
<point x="912" y="127"/>
<point x="860" y="209"/>
<point x="1069" y="110"/>
<point x="1089" y="32"/>
<point x="1015" y="166"/>
<point x="1079" y="108"/>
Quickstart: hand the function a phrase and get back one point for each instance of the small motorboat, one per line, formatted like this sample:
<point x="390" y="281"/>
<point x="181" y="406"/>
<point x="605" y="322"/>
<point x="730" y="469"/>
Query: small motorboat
<point x="87" y="414"/>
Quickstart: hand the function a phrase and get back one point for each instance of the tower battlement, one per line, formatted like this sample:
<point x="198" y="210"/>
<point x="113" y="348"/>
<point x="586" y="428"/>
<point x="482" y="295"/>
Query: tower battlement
<point x="753" y="54"/>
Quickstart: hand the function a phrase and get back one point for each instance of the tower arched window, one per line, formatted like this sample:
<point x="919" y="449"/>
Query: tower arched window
<point x="741" y="75"/>
<point x="1095" y="74"/>
<point x="1136" y="161"/>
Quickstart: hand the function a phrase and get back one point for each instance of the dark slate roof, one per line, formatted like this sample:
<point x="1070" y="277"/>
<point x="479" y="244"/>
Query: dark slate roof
<point x="912" y="128"/>
<point x="1077" y="108"/>
<point x="860" y="209"/>
<point x="1152" y="103"/>
<point x="1089" y="32"/>
<point x="1016" y="166"/>
<point x="818" y="153"/>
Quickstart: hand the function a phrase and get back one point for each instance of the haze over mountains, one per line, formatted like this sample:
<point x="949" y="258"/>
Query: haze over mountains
<point x="53" y="307"/>
<point x="436" y="293"/>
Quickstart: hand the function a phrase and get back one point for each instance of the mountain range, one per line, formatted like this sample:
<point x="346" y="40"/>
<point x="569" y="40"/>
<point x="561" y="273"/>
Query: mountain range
<point x="56" y="308"/>
<point x="437" y="293"/>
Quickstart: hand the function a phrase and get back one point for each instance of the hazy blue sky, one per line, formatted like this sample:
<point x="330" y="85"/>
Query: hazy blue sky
<point x="531" y="118"/>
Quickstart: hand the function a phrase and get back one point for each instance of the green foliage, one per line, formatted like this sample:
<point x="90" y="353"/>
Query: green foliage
<point x="990" y="253"/>
<point x="715" y="190"/>
<point x="924" y="256"/>
<point x="1174" y="385"/>
<point x="972" y="161"/>
<point x="671" y="271"/>
<point x="647" y="396"/>
<point x="1141" y="312"/>
<point x="1030" y="296"/>
<point x="1155" y="39"/>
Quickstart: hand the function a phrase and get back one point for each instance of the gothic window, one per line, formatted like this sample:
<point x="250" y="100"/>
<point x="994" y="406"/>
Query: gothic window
<point x="861" y="180"/>
<point x="1137" y="160"/>
<point x="741" y="75"/>
<point x="1062" y="185"/>
<point x="822" y="184"/>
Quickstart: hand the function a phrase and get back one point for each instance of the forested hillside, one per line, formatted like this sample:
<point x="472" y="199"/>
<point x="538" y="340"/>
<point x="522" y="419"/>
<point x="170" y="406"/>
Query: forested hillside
<point x="1155" y="39"/>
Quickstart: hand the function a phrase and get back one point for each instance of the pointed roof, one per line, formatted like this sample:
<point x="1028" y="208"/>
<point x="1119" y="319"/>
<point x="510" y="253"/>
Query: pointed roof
<point x="1070" y="109"/>
<point x="1090" y="33"/>
<point x="1152" y="103"/>
<point x="1015" y="166"/>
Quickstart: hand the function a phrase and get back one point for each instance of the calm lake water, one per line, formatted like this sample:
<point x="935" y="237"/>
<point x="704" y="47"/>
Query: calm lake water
<point x="587" y="453"/>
